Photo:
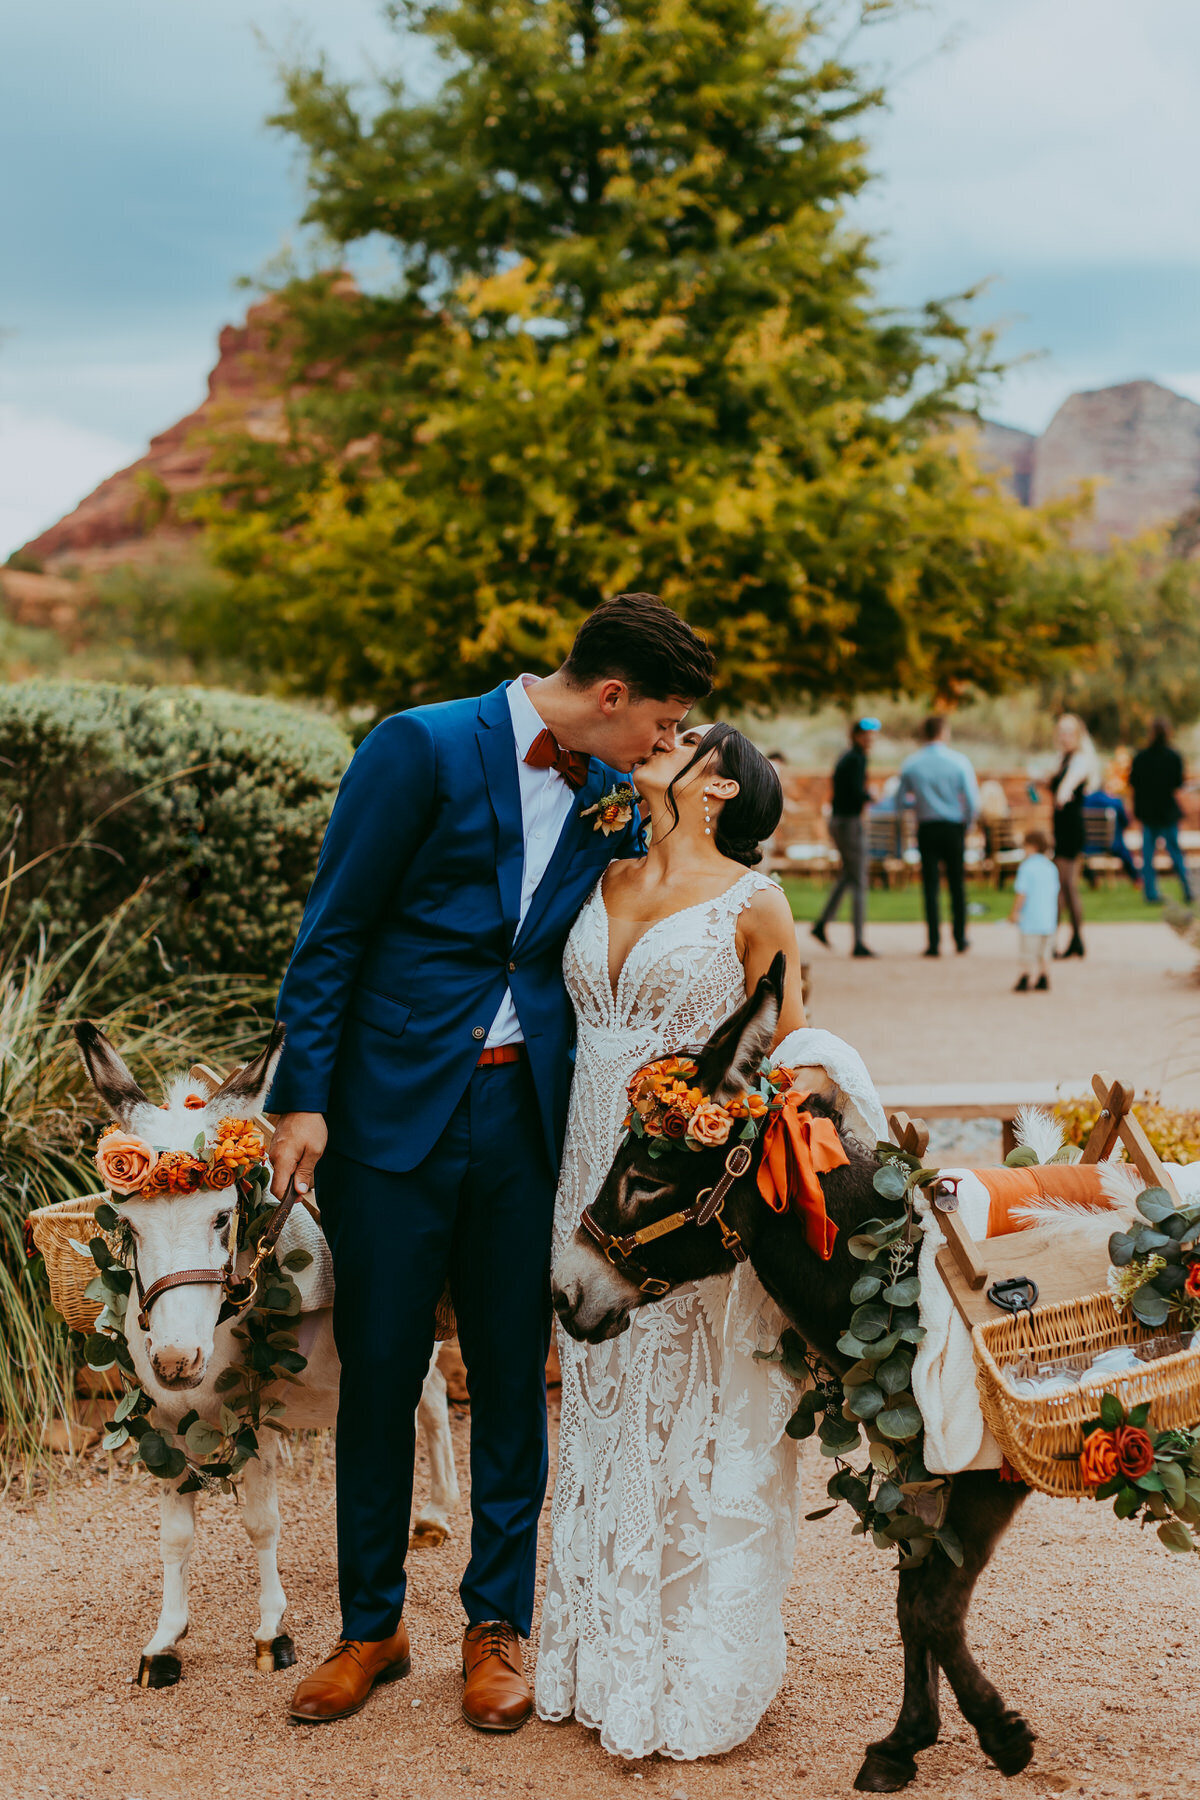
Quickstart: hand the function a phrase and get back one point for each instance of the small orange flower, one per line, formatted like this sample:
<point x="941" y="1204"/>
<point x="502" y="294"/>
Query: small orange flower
<point x="756" y="1106"/>
<point x="195" y="1102"/>
<point x="1192" y="1284"/>
<point x="1098" y="1460"/>
<point x="175" y="1172"/>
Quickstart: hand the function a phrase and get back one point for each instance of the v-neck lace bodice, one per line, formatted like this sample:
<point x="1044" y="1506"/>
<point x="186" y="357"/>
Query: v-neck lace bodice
<point x="675" y="1506"/>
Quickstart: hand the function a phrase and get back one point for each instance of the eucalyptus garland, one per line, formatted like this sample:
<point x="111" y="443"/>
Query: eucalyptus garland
<point x="207" y="1454"/>
<point x="896" y="1500"/>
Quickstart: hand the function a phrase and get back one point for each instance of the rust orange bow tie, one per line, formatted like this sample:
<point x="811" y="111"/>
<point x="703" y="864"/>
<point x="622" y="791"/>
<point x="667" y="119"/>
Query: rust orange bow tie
<point x="546" y="752"/>
<point x="797" y="1148"/>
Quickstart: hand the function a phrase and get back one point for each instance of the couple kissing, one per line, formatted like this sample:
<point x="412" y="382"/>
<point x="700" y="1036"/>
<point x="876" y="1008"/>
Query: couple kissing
<point x="489" y="953"/>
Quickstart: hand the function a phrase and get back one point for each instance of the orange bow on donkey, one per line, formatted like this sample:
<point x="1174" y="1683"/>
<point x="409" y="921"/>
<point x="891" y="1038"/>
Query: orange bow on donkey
<point x="796" y="1149"/>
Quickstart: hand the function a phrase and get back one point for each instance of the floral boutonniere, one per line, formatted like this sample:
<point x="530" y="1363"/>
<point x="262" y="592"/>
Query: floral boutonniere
<point x="613" y="810"/>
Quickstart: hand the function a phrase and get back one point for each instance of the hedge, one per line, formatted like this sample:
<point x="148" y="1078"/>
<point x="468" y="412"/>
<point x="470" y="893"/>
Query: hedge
<point x="204" y="810"/>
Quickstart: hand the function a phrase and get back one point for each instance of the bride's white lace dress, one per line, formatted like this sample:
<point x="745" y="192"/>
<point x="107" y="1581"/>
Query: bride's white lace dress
<point x="675" y="1508"/>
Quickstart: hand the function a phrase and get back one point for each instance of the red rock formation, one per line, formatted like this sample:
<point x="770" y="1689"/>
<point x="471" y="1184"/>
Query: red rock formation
<point x="130" y="517"/>
<point x="1142" y="444"/>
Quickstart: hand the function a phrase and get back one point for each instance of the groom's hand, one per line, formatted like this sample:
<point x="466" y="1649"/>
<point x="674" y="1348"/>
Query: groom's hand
<point x="296" y="1148"/>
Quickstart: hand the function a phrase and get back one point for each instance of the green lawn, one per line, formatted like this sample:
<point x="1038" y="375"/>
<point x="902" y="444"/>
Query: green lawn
<point x="1103" y="906"/>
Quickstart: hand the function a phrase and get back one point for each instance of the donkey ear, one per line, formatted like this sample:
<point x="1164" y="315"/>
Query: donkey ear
<point x="110" y="1077"/>
<point x="729" y="1062"/>
<point x="245" y="1090"/>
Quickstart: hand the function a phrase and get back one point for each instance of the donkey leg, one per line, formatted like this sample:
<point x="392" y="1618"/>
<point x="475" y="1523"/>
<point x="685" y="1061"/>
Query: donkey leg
<point x="160" y="1665"/>
<point x="891" y="1762"/>
<point x="273" y="1649"/>
<point x="432" y="1523"/>
<point x="981" y="1509"/>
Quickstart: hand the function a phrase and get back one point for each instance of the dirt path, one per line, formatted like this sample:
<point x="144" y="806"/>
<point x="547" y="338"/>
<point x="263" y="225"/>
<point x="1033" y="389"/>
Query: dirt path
<point x="1089" y="1628"/>
<point x="1074" y="1604"/>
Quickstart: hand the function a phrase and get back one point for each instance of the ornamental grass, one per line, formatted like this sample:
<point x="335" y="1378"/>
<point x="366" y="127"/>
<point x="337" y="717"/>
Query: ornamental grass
<point x="49" y="1117"/>
<point x="1174" y="1132"/>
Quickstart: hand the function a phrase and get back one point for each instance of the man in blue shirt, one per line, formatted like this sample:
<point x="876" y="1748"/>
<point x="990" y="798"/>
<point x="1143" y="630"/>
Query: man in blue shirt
<point x="943" y="787"/>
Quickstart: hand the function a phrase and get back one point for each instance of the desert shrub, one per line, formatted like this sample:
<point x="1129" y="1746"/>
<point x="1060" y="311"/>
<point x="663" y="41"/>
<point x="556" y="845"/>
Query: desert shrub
<point x="49" y="1117"/>
<point x="1174" y="1132"/>
<point x="196" y="813"/>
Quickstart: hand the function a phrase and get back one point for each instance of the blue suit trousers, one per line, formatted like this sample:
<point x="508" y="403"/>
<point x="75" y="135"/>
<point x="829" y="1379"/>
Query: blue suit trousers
<point x="479" y="1209"/>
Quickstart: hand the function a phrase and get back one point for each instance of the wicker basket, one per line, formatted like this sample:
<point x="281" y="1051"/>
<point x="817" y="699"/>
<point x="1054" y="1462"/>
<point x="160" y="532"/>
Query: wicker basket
<point x="55" y="1230"/>
<point x="1041" y="1438"/>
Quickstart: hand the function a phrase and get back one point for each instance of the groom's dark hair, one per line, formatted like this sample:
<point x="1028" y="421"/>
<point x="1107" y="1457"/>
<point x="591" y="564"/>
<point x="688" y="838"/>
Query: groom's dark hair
<point x="637" y="639"/>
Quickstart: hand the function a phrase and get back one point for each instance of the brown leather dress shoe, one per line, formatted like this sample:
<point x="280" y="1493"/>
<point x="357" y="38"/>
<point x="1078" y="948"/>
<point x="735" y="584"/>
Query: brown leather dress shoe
<point x="497" y="1696"/>
<point x="341" y="1685"/>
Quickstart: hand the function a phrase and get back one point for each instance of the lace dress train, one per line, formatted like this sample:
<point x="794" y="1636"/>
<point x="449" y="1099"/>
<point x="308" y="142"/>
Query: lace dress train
<point x="676" y="1502"/>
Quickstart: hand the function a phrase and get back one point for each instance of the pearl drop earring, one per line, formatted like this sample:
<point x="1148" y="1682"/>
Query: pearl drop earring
<point x="707" y="817"/>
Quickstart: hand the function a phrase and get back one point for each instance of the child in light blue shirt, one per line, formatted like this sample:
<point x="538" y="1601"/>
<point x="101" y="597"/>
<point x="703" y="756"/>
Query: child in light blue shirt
<point x="1035" y="912"/>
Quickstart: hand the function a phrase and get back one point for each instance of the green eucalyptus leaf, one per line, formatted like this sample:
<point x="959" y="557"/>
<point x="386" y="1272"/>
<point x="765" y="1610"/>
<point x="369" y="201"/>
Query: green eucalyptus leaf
<point x="1120" y="1249"/>
<point x="127" y="1404"/>
<point x="1176" y="1536"/>
<point x="900" y="1420"/>
<point x="894" y="1374"/>
<point x="1127" y="1502"/>
<point x="888" y="1497"/>
<point x="1155" y="1204"/>
<point x="903" y="1293"/>
<point x="1146" y="1238"/>
<point x="865" y="1288"/>
<point x="801" y="1424"/>
<point x="99" y="1352"/>
<point x="889" y="1183"/>
<point x="1021" y="1158"/>
<point x="1149" y="1306"/>
<point x="1174" y="1483"/>
<point x="867" y="1322"/>
<point x="949" y="1540"/>
<point x="297" y="1259"/>
<point x="849" y="1345"/>
<point x="202" y="1438"/>
<point x="866" y="1401"/>
<point x="862" y="1246"/>
<point x="106" y="1216"/>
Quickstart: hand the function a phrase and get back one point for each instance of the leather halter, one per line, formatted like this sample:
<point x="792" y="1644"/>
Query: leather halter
<point x="708" y="1205"/>
<point x="238" y="1294"/>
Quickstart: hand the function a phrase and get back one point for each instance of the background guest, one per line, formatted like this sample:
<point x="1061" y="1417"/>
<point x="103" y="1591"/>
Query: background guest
<point x="1077" y="774"/>
<point x="1035" y="912"/>
<point x="946" y="795"/>
<point x="850" y="796"/>
<point x="1156" y="778"/>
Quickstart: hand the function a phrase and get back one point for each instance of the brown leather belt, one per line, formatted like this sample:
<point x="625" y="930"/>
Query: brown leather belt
<point x="503" y="1053"/>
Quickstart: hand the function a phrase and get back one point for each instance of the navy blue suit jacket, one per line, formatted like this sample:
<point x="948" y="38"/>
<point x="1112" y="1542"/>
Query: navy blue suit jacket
<point x="410" y="935"/>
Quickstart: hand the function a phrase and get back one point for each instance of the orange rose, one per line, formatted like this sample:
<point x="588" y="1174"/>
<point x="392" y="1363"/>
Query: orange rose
<point x="710" y="1124"/>
<point x="176" y="1172"/>
<point x="1192" y="1284"/>
<point x="1098" y="1460"/>
<point x="653" y="1127"/>
<point x="675" y="1124"/>
<point x="124" y="1161"/>
<point x="783" y="1078"/>
<point x="1135" y="1452"/>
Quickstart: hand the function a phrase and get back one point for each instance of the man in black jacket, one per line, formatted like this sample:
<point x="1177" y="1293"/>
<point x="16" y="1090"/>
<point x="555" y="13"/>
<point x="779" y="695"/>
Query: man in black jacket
<point x="851" y="797"/>
<point x="1156" y="778"/>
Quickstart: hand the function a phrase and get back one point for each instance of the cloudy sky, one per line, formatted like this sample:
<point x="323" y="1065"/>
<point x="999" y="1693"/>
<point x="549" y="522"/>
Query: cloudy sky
<point x="1049" y="145"/>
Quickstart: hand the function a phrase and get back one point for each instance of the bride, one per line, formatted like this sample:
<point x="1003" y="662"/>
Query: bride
<point x="675" y="1507"/>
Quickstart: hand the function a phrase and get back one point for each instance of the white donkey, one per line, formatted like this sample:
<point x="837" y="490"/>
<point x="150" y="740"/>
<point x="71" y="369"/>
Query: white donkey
<point x="183" y="1348"/>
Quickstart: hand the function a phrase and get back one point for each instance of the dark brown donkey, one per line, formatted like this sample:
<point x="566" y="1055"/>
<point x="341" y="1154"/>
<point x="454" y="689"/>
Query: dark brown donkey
<point x="595" y="1292"/>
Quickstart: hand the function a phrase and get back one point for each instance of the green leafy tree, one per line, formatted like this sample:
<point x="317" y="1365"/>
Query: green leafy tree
<point x="1146" y="661"/>
<point x="633" y="343"/>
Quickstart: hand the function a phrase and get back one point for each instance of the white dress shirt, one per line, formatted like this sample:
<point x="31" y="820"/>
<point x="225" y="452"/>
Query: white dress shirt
<point x="546" y="802"/>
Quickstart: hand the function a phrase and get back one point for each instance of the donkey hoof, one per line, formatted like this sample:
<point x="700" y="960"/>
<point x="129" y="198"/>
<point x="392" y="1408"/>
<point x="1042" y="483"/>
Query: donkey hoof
<point x="276" y="1653"/>
<point x="162" y="1670"/>
<point x="1009" y="1743"/>
<point x="427" y="1534"/>
<point x="885" y="1771"/>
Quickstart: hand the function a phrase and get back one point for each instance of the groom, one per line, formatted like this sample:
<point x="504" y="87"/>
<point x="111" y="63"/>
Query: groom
<point x="425" y="1081"/>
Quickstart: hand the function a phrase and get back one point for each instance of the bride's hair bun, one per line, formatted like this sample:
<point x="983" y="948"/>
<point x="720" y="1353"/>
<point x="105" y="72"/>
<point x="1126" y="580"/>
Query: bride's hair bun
<point x="757" y="807"/>
<point x="743" y="850"/>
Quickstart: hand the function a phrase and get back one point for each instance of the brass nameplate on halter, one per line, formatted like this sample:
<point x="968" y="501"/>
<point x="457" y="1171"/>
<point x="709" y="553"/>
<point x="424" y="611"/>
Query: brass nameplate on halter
<point x="661" y="1227"/>
<point x="1062" y="1270"/>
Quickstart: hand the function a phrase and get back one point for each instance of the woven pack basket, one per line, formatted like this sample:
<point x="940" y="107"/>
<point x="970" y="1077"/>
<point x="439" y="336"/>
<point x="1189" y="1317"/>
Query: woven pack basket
<point x="1041" y="1438"/>
<point x="57" y="1231"/>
